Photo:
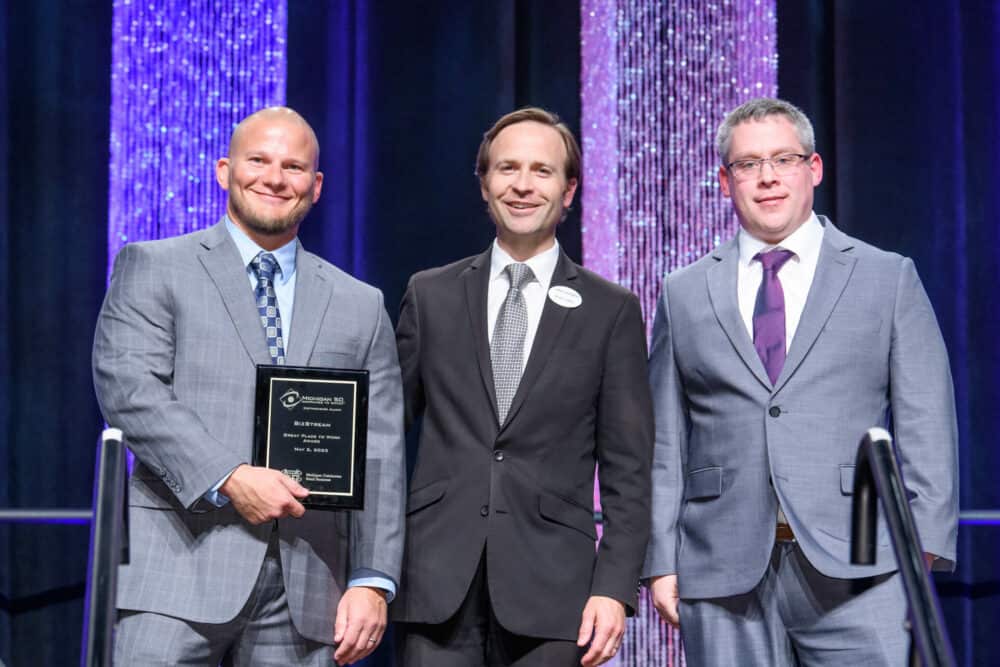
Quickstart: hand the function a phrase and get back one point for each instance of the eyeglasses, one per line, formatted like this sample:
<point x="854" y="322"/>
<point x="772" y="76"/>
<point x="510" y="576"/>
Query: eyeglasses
<point x="783" y="165"/>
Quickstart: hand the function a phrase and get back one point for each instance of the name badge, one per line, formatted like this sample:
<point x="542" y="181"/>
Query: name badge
<point x="567" y="297"/>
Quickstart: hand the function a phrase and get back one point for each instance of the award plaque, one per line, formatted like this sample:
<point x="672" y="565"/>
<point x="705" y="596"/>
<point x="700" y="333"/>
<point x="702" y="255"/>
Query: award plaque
<point x="312" y="424"/>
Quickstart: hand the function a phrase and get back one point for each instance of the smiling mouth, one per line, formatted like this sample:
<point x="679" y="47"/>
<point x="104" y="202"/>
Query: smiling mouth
<point x="521" y="205"/>
<point x="272" y="198"/>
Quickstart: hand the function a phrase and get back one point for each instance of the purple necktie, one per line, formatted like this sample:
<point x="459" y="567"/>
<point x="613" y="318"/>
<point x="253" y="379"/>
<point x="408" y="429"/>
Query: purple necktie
<point x="769" y="313"/>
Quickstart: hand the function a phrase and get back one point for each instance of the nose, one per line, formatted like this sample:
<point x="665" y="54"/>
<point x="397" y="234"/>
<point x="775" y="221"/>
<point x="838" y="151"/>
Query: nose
<point x="522" y="182"/>
<point x="766" y="172"/>
<point x="274" y="176"/>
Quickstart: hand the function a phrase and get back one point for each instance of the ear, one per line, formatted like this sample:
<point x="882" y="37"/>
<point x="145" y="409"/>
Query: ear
<point x="724" y="181"/>
<point x="317" y="186"/>
<point x="570" y="191"/>
<point x="222" y="172"/>
<point x="816" y="169"/>
<point x="483" y="190"/>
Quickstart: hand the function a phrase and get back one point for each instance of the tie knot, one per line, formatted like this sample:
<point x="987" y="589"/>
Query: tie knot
<point x="519" y="275"/>
<point x="774" y="259"/>
<point x="264" y="265"/>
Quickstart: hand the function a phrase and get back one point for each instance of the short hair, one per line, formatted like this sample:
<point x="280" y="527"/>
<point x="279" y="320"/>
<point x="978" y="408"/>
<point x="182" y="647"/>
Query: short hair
<point x="757" y="110"/>
<point x="537" y="115"/>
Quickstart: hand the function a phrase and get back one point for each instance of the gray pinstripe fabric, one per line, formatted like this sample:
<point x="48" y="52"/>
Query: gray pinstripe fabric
<point x="175" y="352"/>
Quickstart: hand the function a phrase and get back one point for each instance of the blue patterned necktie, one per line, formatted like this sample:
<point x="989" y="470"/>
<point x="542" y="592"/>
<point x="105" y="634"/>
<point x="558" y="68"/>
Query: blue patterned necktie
<point x="507" y="344"/>
<point x="769" y="313"/>
<point x="264" y="265"/>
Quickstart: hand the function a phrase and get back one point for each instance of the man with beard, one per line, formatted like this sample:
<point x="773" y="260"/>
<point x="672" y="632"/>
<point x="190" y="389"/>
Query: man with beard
<point x="226" y="564"/>
<point x="528" y="370"/>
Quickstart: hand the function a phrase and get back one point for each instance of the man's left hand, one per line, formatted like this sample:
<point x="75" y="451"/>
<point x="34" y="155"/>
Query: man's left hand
<point x="361" y="620"/>
<point x="603" y="626"/>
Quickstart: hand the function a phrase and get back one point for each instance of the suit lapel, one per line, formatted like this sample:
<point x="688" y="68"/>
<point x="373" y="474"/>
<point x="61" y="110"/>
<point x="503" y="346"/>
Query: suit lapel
<point x="476" y="279"/>
<point x="222" y="261"/>
<point x="833" y="270"/>
<point x="549" y="325"/>
<point x="722" y="279"/>
<point x="313" y="292"/>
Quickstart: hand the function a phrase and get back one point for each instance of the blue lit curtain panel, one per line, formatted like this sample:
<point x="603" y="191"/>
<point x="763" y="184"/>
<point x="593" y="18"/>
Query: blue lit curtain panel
<point x="183" y="74"/>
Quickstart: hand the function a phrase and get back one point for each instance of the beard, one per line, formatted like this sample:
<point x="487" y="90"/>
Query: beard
<point x="268" y="226"/>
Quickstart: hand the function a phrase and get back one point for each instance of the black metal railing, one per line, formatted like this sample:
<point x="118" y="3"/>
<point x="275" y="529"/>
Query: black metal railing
<point x="108" y="544"/>
<point x="108" y="548"/>
<point x="877" y="476"/>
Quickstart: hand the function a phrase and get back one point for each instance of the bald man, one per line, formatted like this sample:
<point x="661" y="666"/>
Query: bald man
<point x="226" y="564"/>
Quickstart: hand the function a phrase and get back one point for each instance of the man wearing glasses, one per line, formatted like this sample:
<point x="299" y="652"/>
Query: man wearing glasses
<point x="771" y="357"/>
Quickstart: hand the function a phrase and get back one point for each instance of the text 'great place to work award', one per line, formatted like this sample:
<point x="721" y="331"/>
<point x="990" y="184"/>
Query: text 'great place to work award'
<point x="311" y="424"/>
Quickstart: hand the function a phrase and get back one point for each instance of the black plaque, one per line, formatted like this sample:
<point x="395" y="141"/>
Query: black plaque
<point x="312" y="425"/>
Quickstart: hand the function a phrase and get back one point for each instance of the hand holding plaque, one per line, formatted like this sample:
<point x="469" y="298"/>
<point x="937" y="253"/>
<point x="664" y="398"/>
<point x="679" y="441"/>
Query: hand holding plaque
<point x="311" y="424"/>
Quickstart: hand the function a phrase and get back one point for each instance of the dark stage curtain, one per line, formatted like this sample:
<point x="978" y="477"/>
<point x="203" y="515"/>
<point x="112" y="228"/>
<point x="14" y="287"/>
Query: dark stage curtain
<point x="55" y="61"/>
<point x="401" y="94"/>
<point x="907" y="102"/>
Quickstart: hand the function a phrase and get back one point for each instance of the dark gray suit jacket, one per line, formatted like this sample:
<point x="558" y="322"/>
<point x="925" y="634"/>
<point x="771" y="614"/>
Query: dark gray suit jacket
<point x="175" y="351"/>
<point x="523" y="490"/>
<point x="729" y="445"/>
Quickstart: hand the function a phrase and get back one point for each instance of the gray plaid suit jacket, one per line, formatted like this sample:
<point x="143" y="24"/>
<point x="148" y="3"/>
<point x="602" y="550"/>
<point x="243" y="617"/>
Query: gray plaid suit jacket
<point x="177" y="341"/>
<point x="729" y="445"/>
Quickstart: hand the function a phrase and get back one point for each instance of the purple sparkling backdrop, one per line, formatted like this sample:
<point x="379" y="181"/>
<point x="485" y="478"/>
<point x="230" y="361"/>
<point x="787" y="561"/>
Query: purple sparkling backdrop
<point x="183" y="73"/>
<point x="657" y="78"/>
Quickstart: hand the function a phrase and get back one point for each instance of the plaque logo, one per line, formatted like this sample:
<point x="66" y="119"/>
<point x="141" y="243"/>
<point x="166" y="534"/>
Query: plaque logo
<point x="296" y="475"/>
<point x="291" y="398"/>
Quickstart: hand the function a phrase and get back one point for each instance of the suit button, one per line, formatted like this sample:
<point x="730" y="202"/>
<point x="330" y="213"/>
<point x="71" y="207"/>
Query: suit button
<point x="775" y="411"/>
<point x="484" y="510"/>
<point x="498" y="455"/>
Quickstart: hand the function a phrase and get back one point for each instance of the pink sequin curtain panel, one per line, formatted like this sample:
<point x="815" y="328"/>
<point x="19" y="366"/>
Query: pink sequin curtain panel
<point x="656" y="79"/>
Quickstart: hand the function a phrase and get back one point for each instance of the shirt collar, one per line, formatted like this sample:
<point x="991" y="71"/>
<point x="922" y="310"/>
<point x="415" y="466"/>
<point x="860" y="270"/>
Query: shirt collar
<point x="543" y="265"/>
<point x="804" y="242"/>
<point x="285" y="255"/>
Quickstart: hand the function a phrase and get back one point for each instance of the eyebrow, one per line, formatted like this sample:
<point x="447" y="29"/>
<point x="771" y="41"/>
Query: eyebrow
<point x="780" y="151"/>
<point x="534" y="165"/>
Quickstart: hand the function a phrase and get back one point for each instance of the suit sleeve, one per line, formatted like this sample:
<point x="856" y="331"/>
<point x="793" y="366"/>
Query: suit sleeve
<point x="670" y="446"/>
<point x="624" y="450"/>
<point x="923" y="411"/>
<point x="408" y="343"/>
<point x="377" y="532"/>
<point x="133" y="365"/>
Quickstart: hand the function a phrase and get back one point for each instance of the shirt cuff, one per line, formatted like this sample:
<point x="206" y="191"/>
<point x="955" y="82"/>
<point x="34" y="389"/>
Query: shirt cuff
<point x="215" y="496"/>
<point x="365" y="576"/>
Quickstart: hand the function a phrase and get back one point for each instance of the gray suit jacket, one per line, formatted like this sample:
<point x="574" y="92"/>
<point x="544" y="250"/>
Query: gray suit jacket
<point x="175" y="351"/>
<point x="729" y="445"/>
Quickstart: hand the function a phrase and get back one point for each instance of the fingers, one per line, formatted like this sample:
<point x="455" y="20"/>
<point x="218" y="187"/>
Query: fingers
<point x="604" y="622"/>
<point x="360" y="624"/>
<point x="294" y="487"/>
<point x="586" y="626"/>
<point x="262" y="494"/>
<point x="666" y="598"/>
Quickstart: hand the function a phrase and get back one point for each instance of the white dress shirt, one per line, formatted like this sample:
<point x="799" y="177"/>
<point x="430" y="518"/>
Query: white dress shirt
<point x="796" y="275"/>
<point x="543" y="265"/>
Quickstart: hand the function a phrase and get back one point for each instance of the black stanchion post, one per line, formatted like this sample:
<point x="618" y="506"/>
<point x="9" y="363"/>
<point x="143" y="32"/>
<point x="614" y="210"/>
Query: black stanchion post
<point x="106" y="550"/>
<point x="877" y="475"/>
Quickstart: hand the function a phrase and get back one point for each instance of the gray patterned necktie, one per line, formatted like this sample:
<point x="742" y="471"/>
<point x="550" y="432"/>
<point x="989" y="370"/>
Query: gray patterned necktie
<point x="264" y="266"/>
<point x="507" y="345"/>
